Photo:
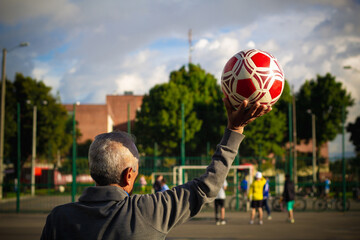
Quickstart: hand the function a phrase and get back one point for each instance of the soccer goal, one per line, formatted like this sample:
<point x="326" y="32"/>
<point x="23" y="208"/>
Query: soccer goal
<point x="182" y="174"/>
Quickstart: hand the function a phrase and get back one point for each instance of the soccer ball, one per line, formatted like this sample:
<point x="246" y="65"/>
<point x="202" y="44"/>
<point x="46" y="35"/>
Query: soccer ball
<point x="254" y="75"/>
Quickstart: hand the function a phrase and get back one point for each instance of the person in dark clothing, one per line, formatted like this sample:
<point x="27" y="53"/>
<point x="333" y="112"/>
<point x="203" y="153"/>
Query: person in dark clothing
<point x="289" y="197"/>
<point x="157" y="183"/>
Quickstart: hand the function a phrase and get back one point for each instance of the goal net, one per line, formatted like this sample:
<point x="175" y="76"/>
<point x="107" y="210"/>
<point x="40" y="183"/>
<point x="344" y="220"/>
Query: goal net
<point x="182" y="174"/>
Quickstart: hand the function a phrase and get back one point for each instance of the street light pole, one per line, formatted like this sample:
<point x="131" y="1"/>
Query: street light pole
<point x="33" y="155"/>
<point x="3" y="90"/>
<point x="2" y="116"/>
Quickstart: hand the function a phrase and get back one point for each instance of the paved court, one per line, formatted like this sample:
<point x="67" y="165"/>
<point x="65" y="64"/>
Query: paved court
<point x="308" y="225"/>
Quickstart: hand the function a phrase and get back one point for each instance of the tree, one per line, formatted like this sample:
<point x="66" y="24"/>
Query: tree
<point x="208" y="106"/>
<point x="51" y="119"/>
<point x="161" y="113"/>
<point x="10" y="123"/>
<point x="354" y="130"/>
<point x="159" y="119"/>
<point x="325" y="97"/>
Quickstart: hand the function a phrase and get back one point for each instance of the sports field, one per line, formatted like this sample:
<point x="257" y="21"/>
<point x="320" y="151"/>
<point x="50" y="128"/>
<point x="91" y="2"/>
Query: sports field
<point x="308" y="225"/>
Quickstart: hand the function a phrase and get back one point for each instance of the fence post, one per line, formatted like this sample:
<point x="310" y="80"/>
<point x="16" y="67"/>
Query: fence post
<point x="155" y="155"/>
<point x="128" y="119"/>
<point x="73" y="189"/>
<point x="182" y="134"/>
<point x="18" y="175"/>
<point x="343" y="159"/>
<point x="182" y="139"/>
<point x="260" y="160"/>
<point x="290" y="141"/>
<point x="208" y="157"/>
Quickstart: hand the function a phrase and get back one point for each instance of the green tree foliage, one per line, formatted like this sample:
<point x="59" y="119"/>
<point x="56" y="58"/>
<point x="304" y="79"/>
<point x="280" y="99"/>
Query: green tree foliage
<point x="354" y="129"/>
<point x="269" y="133"/>
<point x="208" y="106"/>
<point x="325" y="97"/>
<point x="160" y="119"/>
<point x="10" y="123"/>
<point x="51" y="119"/>
<point x="160" y="113"/>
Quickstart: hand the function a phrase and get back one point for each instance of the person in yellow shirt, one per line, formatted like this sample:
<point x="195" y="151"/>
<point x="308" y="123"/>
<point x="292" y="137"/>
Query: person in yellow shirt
<point x="256" y="196"/>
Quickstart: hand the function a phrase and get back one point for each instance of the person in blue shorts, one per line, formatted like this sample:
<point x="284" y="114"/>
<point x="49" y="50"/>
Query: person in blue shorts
<point x="266" y="194"/>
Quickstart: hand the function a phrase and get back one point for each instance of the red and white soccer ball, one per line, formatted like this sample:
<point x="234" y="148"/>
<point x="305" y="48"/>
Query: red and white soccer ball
<point x="254" y="75"/>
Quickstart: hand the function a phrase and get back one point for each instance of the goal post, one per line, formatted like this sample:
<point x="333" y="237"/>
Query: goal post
<point x="182" y="174"/>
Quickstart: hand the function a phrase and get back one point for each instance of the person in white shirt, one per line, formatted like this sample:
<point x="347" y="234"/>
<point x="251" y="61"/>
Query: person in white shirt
<point x="220" y="204"/>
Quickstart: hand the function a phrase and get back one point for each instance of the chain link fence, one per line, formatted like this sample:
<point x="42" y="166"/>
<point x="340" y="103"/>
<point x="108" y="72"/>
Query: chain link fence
<point x="54" y="184"/>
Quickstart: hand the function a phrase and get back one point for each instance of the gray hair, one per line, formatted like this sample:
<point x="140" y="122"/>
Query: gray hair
<point x="109" y="155"/>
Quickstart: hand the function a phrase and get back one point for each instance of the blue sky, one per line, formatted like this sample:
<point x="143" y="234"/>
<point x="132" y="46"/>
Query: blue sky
<point x="87" y="49"/>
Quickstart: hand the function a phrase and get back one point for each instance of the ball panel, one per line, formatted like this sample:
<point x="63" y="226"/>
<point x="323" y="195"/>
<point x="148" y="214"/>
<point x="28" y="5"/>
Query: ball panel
<point x="261" y="60"/>
<point x="276" y="89"/>
<point x="245" y="87"/>
<point x="230" y="64"/>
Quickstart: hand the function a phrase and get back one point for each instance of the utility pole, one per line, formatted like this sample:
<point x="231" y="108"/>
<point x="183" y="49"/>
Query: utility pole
<point x="3" y="90"/>
<point x="2" y="120"/>
<point x="190" y="44"/>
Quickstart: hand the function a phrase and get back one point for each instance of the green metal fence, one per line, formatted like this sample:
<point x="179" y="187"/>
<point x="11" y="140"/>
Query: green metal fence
<point x="55" y="186"/>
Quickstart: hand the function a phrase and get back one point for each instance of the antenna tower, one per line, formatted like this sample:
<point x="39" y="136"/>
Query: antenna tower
<point x="190" y="44"/>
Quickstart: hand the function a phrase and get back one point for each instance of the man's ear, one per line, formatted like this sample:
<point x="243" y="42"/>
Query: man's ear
<point x="127" y="176"/>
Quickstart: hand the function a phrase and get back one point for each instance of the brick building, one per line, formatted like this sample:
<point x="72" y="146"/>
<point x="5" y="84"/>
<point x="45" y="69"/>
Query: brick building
<point x="94" y="119"/>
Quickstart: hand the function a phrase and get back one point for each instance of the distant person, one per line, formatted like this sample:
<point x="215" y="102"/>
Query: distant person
<point x="327" y="187"/>
<point x="110" y="211"/>
<point x="256" y="196"/>
<point x="143" y="183"/>
<point x="157" y="183"/>
<point x="244" y="187"/>
<point x="289" y="197"/>
<point x="220" y="205"/>
<point x="266" y="195"/>
<point x="164" y="186"/>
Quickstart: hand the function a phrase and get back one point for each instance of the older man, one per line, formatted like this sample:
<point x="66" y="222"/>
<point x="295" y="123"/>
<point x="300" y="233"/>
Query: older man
<point x="109" y="211"/>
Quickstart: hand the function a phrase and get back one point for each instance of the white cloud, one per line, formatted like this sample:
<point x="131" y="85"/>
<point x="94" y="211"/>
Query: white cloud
<point x="201" y="44"/>
<point x="72" y="70"/>
<point x="134" y="81"/>
<point x="43" y="72"/>
<point x="251" y="44"/>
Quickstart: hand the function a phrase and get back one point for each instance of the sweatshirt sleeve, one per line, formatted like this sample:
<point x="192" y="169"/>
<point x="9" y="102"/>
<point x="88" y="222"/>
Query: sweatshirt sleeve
<point x="170" y="208"/>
